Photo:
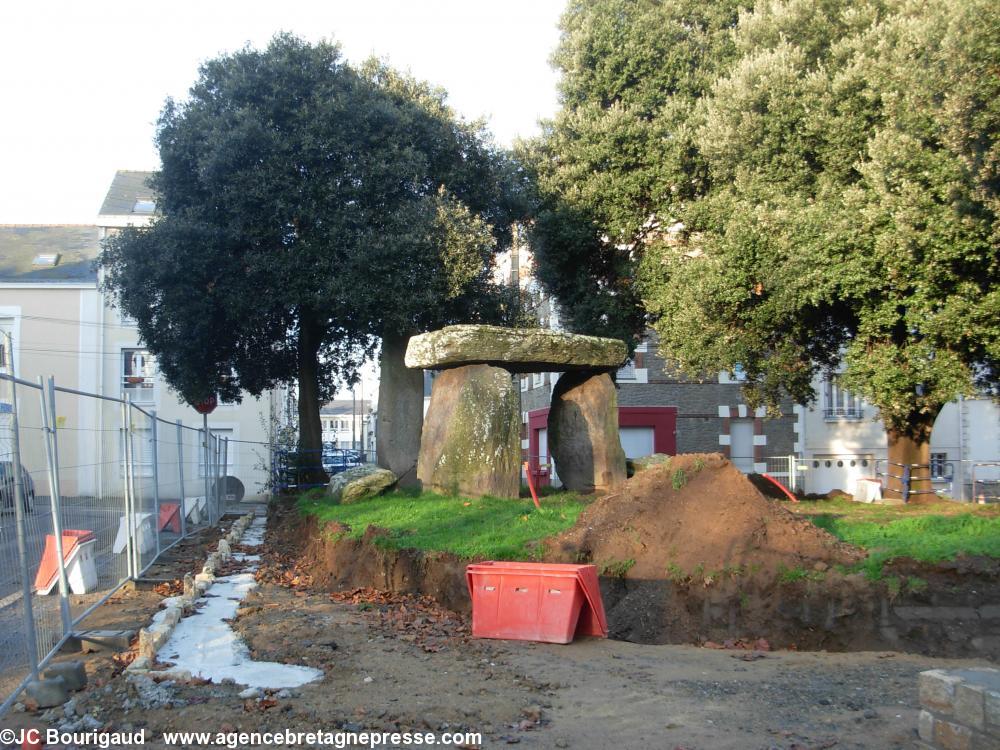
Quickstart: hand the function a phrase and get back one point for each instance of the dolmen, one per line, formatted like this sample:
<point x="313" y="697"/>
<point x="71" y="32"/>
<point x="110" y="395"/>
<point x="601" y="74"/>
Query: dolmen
<point x="471" y="439"/>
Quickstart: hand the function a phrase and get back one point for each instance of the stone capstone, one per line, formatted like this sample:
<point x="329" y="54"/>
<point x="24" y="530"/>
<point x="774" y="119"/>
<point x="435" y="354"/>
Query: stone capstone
<point x="471" y="441"/>
<point x="360" y="482"/>
<point x="583" y="433"/>
<point x="518" y="350"/>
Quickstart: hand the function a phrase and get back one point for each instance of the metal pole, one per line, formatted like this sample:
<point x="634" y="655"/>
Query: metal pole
<point x="225" y="469"/>
<point x="48" y="404"/>
<point x="22" y="542"/>
<point x="208" y="466"/>
<point x="156" y="482"/>
<point x="180" y="475"/>
<point x="216" y="455"/>
<point x="129" y="489"/>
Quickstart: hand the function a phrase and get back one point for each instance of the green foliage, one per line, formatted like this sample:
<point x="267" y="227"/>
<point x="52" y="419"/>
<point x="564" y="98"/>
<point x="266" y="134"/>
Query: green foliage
<point x="791" y="575"/>
<point x="485" y="528"/>
<point x="616" y="568"/>
<point x="308" y="208"/>
<point x="678" y="479"/>
<point x="784" y="187"/>
<point x="916" y="584"/>
<point x="927" y="538"/>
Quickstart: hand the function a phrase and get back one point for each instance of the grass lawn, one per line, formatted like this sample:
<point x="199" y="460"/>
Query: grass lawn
<point x="488" y="528"/>
<point x="929" y="532"/>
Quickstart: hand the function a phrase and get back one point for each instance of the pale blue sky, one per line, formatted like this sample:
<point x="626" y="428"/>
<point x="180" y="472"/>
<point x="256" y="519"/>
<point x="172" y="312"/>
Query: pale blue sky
<point x="83" y="81"/>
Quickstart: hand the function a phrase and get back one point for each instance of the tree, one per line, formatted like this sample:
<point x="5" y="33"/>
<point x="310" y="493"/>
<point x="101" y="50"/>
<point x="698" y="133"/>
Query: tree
<point x="784" y="188"/>
<point x="850" y="211"/>
<point x="308" y="209"/>
<point x="620" y="153"/>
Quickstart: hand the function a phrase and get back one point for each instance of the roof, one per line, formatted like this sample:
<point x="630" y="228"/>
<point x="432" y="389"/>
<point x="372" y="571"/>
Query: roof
<point x="128" y="187"/>
<point x="77" y="245"/>
<point x="345" y="406"/>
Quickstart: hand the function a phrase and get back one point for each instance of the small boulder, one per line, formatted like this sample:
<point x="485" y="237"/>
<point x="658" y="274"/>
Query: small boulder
<point x="73" y="673"/>
<point x="360" y="482"/>
<point x="47" y="692"/>
<point x="648" y="462"/>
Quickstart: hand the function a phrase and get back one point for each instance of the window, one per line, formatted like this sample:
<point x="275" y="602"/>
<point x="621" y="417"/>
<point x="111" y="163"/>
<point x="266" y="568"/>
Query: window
<point x="144" y="206"/>
<point x="940" y="468"/>
<point x="537" y="379"/>
<point x="138" y="375"/>
<point x="220" y="433"/>
<point x="46" y="260"/>
<point x="524" y="382"/>
<point x="839" y="403"/>
<point x="739" y="374"/>
<point x="627" y="371"/>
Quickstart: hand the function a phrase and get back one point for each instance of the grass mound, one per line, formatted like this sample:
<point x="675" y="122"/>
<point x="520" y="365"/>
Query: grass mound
<point x="483" y="528"/>
<point x="926" y="538"/>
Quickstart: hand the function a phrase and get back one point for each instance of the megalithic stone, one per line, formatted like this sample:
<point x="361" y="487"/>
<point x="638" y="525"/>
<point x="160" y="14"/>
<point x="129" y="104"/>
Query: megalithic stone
<point x="471" y="440"/>
<point x="400" y="412"/>
<point x="583" y="432"/>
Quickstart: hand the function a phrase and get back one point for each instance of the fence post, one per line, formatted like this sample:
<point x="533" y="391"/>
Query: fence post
<point x="180" y="475"/>
<point x="129" y="488"/>
<point x="156" y="481"/>
<point x="48" y="404"/>
<point x="208" y="465"/>
<point x="225" y="470"/>
<point x="22" y="542"/>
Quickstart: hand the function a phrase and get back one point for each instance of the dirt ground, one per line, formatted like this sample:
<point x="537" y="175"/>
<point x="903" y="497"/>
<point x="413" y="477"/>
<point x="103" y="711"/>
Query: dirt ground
<point x="398" y="662"/>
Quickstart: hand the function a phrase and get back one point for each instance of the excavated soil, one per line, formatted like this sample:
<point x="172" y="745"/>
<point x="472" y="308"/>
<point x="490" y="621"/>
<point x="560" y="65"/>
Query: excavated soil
<point x="697" y="516"/>
<point x="692" y="552"/>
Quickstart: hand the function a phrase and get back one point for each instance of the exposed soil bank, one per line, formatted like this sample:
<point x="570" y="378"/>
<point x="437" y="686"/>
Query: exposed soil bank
<point x="703" y="556"/>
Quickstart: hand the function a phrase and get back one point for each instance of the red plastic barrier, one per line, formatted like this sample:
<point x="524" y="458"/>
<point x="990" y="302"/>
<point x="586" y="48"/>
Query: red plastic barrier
<point x="170" y="515"/>
<point x="48" y="569"/>
<point x="535" y="601"/>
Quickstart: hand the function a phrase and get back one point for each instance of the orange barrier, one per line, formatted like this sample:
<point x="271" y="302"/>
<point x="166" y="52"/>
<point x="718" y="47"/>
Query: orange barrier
<point x="781" y="487"/>
<point x="548" y="602"/>
<point x="531" y="484"/>
<point x="48" y="570"/>
<point x="170" y="515"/>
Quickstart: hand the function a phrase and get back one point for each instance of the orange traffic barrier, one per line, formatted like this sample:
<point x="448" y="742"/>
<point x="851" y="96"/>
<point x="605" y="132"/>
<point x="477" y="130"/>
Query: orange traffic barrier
<point x="170" y="515"/>
<point x="48" y="570"/>
<point x="548" y="602"/>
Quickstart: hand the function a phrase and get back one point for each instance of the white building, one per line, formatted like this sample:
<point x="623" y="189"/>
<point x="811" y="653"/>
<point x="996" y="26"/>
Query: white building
<point x="64" y="326"/>
<point x="841" y="439"/>
<point x="348" y="424"/>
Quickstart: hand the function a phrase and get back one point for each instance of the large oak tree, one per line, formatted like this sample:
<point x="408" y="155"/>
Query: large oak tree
<point x="828" y="195"/>
<point x="309" y="209"/>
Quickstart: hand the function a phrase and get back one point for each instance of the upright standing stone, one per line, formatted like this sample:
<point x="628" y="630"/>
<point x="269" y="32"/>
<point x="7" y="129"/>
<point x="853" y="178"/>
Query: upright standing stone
<point x="471" y="441"/>
<point x="583" y="433"/>
<point x="400" y="412"/>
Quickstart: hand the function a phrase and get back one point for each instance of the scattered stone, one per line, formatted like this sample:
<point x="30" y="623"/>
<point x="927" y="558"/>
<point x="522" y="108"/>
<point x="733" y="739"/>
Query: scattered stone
<point x="189" y="591"/>
<point x="583" y="433"/>
<point x="112" y="640"/>
<point x="515" y="349"/>
<point x="251" y="692"/>
<point x="368" y="680"/>
<point x="225" y="551"/>
<point x="283" y="694"/>
<point x="359" y="483"/>
<point x="647" y="462"/>
<point x="471" y="441"/>
<point x="47" y="692"/>
<point x="73" y="673"/>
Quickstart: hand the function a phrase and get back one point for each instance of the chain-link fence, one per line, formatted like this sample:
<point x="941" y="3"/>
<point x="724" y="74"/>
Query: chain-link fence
<point x="92" y="490"/>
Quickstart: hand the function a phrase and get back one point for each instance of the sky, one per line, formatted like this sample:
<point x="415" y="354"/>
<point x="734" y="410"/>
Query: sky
<point x="83" y="81"/>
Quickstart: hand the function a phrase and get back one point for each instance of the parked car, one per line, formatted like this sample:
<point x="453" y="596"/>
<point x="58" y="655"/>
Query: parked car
<point x="7" y="493"/>
<point x="341" y="460"/>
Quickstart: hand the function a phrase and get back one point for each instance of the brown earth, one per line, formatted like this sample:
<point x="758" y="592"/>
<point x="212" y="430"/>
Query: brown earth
<point x="697" y="515"/>
<point x="710" y="560"/>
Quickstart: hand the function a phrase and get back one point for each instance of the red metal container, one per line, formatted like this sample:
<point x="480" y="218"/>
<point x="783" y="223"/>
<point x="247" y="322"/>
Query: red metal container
<point x="548" y="602"/>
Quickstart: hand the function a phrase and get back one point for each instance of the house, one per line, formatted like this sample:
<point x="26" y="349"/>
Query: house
<point x="64" y="326"/>
<point x="840" y="439"/>
<point x="51" y="307"/>
<point x="659" y="411"/>
<point x="348" y="423"/>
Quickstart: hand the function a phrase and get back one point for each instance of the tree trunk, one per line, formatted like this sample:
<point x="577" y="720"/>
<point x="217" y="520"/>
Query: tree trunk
<point x="400" y="412"/>
<point x="310" y="460"/>
<point x="909" y="456"/>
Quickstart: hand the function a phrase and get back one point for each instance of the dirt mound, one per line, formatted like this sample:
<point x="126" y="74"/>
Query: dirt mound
<point x="697" y="516"/>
